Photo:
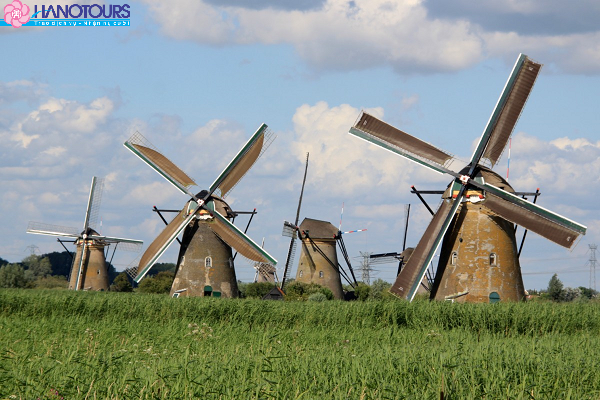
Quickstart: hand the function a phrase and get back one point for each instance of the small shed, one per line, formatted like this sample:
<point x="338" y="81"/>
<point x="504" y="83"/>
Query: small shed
<point x="274" y="294"/>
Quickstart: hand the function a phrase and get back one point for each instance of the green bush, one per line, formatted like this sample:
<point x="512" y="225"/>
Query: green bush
<point x="51" y="282"/>
<point x="317" y="297"/>
<point x="257" y="290"/>
<point x="362" y="291"/>
<point x="301" y="291"/>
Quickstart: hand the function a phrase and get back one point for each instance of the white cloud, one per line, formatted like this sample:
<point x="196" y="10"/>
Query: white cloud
<point x="563" y="167"/>
<point x="150" y="194"/>
<point x="23" y="139"/>
<point x="573" y="53"/>
<point x="55" y="151"/>
<point x="71" y="115"/>
<point x="411" y="36"/>
<point x="339" y="35"/>
<point x="344" y="165"/>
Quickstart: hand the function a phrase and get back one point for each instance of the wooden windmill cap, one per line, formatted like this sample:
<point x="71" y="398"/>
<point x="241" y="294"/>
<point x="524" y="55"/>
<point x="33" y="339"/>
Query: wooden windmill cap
<point x="318" y="229"/>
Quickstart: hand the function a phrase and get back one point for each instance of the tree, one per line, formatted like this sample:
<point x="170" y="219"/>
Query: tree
<point x="60" y="262"/>
<point x="39" y="266"/>
<point x="161" y="283"/>
<point x="12" y="276"/>
<point x="379" y="289"/>
<point x="570" y="294"/>
<point x="159" y="267"/>
<point x="587" y="292"/>
<point x="121" y="283"/>
<point x="555" y="288"/>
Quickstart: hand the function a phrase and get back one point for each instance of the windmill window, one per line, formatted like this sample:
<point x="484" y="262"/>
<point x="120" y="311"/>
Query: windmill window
<point x="321" y="274"/>
<point x="493" y="259"/>
<point x="453" y="258"/>
<point x="98" y="272"/>
<point x="300" y="274"/>
<point x="175" y="295"/>
<point x="208" y="262"/>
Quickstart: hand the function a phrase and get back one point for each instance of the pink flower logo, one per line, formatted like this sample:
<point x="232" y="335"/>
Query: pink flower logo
<point x="16" y="13"/>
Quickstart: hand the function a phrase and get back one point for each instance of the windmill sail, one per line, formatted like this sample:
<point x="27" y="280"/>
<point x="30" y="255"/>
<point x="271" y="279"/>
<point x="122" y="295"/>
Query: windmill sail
<point x="93" y="207"/>
<point x="124" y="244"/>
<point x="40" y="228"/>
<point x="507" y="111"/>
<point x="243" y="161"/>
<point x="141" y="147"/>
<point x="544" y="222"/>
<point x="291" y="230"/>
<point x="162" y="242"/>
<point x="380" y="132"/>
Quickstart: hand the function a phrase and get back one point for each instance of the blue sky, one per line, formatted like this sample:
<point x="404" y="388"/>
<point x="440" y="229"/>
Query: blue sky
<point x="198" y="77"/>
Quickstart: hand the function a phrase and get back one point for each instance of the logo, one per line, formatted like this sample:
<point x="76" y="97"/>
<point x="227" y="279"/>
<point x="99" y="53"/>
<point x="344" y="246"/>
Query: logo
<point x="16" y="14"/>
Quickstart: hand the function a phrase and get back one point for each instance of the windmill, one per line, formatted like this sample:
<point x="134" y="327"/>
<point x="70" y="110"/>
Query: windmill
<point x="318" y="259"/>
<point x="478" y="258"/>
<point x="88" y="270"/>
<point x="265" y="272"/>
<point x="400" y="258"/>
<point x="205" y="264"/>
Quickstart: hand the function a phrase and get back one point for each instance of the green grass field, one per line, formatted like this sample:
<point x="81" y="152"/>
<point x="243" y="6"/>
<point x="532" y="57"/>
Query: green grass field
<point x="62" y="344"/>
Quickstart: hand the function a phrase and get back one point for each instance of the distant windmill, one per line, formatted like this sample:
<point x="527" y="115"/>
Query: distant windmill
<point x="265" y="272"/>
<point x="88" y="271"/>
<point x="479" y="259"/>
<point x="318" y="260"/>
<point x="205" y="264"/>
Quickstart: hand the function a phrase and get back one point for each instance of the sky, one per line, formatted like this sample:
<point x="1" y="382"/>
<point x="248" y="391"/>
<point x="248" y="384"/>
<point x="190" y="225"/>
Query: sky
<point x="197" y="78"/>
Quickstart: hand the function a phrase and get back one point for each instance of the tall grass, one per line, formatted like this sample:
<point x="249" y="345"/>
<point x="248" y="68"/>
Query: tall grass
<point x="124" y="346"/>
<point x="505" y="318"/>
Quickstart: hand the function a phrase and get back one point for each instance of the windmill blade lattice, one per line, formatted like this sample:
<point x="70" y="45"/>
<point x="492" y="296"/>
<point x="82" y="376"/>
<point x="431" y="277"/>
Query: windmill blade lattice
<point x="291" y="231"/>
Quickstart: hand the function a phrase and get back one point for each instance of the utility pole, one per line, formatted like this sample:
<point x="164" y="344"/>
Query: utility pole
<point x="33" y="249"/>
<point x="365" y="267"/>
<point x="592" y="262"/>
